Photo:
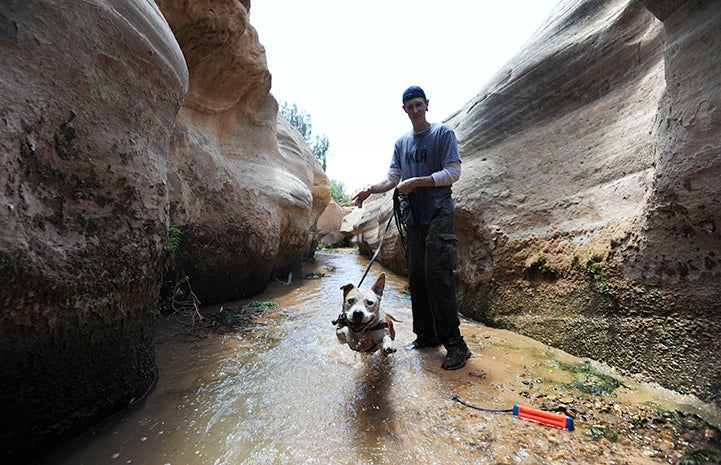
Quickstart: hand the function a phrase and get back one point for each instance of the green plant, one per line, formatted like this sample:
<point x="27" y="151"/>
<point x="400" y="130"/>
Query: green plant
<point x="315" y="276"/>
<point x="593" y="269"/>
<point x="179" y="300"/>
<point x="300" y="120"/>
<point x="337" y="192"/>
<point x="263" y="304"/>
<point x="571" y="242"/>
<point x="603" y="432"/>
<point x="591" y="381"/>
<point x="182" y="302"/>
<point x="237" y="317"/>
<point x="541" y="266"/>
<point x="321" y="247"/>
<point x="174" y="235"/>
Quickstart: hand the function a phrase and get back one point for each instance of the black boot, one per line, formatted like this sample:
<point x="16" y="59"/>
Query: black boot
<point x="422" y="342"/>
<point x="456" y="356"/>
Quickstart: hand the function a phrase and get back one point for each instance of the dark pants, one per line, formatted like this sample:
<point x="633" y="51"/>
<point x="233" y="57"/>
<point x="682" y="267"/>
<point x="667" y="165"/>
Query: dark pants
<point x="431" y="258"/>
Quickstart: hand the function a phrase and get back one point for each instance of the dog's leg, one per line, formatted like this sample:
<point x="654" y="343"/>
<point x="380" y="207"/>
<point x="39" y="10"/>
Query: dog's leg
<point x="342" y="334"/>
<point x="387" y="344"/>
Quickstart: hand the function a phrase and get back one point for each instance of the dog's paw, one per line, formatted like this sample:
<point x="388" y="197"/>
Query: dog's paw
<point x="341" y="335"/>
<point x="389" y="349"/>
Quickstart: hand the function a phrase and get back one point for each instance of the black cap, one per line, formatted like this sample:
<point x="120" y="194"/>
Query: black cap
<point x="413" y="92"/>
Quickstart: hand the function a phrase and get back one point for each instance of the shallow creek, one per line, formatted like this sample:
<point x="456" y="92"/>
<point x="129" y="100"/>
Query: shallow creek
<point x="281" y="390"/>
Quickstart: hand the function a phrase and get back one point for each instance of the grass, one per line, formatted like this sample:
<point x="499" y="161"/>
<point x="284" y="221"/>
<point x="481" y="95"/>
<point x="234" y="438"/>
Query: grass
<point x="237" y="317"/>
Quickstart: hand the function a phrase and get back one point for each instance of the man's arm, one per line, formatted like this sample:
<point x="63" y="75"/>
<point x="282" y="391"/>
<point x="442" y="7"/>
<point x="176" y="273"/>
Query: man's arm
<point x="447" y="176"/>
<point x="450" y="173"/>
<point x="408" y="185"/>
<point x="391" y="181"/>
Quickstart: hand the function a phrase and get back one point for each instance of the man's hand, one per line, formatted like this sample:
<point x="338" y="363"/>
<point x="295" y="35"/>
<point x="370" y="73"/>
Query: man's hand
<point x="405" y="187"/>
<point x="360" y="196"/>
<point x="408" y="185"/>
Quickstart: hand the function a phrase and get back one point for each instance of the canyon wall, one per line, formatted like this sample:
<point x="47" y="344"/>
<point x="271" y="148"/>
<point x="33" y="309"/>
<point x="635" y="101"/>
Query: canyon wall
<point x="89" y="92"/>
<point x="589" y="199"/>
<point x="121" y="119"/>
<point x="245" y="189"/>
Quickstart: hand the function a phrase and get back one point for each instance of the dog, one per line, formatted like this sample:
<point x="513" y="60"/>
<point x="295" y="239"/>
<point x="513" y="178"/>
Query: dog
<point x="362" y="324"/>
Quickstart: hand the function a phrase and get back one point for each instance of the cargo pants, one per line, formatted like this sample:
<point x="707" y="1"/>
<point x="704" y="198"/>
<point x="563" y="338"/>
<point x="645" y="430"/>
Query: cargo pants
<point x="431" y="259"/>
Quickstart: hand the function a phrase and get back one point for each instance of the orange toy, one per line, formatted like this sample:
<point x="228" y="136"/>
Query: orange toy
<point x="557" y="420"/>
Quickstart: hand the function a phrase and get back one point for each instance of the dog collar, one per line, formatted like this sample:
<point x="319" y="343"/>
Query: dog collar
<point x="383" y="325"/>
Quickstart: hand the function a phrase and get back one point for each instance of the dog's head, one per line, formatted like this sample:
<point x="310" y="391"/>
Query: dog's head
<point x="362" y="306"/>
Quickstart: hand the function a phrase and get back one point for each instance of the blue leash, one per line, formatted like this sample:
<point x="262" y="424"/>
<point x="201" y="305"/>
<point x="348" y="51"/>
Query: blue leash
<point x="510" y="410"/>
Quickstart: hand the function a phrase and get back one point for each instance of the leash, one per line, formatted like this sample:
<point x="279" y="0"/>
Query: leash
<point x="378" y="249"/>
<point x="399" y="225"/>
<point x="479" y="408"/>
<point x="556" y="420"/>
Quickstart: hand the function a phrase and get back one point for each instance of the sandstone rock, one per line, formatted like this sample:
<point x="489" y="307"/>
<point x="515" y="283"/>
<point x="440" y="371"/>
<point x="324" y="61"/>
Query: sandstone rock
<point x="329" y="225"/>
<point x="594" y="155"/>
<point x="89" y="90"/>
<point x="245" y="190"/>
<point x="299" y="162"/>
<point x="366" y="227"/>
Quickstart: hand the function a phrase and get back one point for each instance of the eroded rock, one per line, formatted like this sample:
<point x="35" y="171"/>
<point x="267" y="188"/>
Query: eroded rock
<point x="89" y="90"/>
<point x="587" y="207"/>
<point x="329" y="225"/>
<point x="245" y="189"/>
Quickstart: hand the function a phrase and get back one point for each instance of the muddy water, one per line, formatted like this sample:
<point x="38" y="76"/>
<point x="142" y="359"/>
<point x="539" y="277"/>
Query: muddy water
<point x="283" y="391"/>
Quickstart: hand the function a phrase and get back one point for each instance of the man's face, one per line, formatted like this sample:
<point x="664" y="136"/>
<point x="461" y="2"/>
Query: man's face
<point x="416" y="108"/>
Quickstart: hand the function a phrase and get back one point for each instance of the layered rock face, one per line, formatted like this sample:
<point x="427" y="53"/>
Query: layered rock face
<point x="245" y="189"/>
<point x="329" y="225"/>
<point x="588" y="206"/>
<point x="89" y="90"/>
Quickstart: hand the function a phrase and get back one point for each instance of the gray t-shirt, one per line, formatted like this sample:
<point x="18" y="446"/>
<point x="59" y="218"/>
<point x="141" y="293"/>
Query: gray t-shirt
<point x="422" y="155"/>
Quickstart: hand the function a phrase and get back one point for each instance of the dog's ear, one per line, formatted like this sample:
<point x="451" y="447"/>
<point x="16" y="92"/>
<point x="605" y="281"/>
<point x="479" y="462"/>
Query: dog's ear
<point x="380" y="284"/>
<point x="346" y="289"/>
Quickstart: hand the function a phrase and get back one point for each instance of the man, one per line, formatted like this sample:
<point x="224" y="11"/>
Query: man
<point x="428" y="163"/>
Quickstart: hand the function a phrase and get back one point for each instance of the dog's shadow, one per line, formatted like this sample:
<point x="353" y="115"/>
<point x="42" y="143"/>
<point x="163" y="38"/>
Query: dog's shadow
<point x="369" y="403"/>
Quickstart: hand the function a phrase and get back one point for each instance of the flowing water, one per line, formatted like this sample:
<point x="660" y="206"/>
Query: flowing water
<point x="282" y="390"/>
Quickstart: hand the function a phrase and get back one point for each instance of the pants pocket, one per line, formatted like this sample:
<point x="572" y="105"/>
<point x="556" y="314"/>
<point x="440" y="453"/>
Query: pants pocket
<point x="446" y="251"/>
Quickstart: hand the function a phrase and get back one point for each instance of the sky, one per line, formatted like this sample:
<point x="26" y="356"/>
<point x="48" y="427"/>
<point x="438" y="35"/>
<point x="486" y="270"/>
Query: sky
<point x="346" y="65"/>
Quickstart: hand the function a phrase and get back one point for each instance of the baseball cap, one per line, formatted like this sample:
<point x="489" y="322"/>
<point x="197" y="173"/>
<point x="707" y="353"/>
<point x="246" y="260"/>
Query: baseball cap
<point x="413" y="92"/>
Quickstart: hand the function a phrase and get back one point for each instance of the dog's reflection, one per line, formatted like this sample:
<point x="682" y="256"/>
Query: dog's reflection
<point x="371" y="414"/>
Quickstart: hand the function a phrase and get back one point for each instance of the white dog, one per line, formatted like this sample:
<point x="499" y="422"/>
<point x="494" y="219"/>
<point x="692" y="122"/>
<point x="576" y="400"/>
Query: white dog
<point x="362" y="324"/>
